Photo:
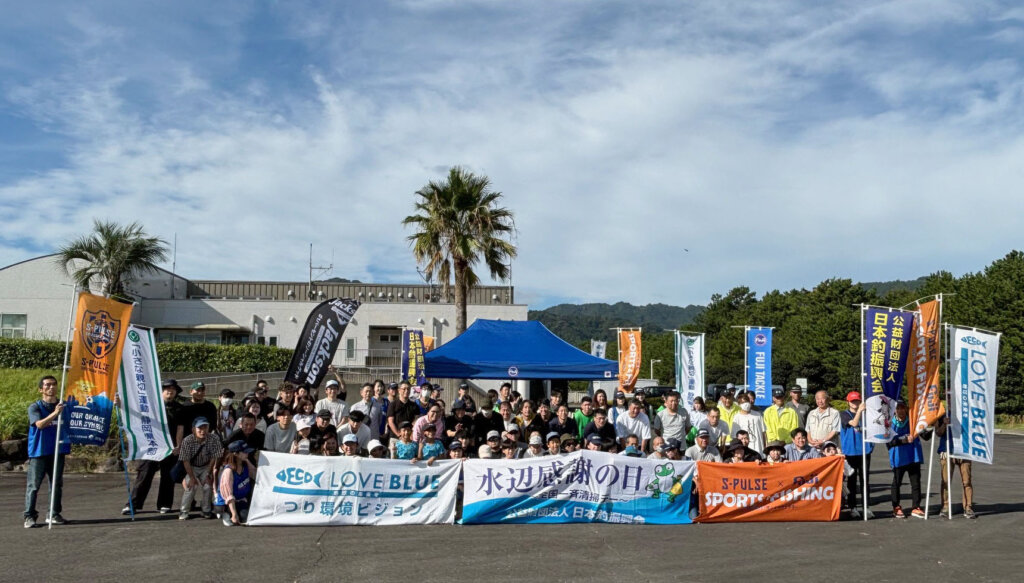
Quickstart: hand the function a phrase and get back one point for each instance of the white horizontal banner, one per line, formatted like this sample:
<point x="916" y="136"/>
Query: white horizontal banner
<point x="316" y="490"/>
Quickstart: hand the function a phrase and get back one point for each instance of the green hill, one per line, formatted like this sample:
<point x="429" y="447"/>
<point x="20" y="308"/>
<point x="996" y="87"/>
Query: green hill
<point x="578" y="324"/>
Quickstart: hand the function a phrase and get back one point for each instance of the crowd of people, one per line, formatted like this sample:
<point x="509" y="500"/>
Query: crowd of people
<point x="216" y="445"/>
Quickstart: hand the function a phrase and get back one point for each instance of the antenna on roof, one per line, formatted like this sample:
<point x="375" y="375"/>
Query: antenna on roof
<point x="321" y="269"/>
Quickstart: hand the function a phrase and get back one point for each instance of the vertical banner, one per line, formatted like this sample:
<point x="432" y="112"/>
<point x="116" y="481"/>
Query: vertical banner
<point x="598" y="348"/>
<point x="689" y="367"/>
<point x="972" y="406"/>
<point x="923" y="380"/>
<point x="629" y="359"/>
<point x="327" y="491"/>
<point x="413" y="369"/>
<point x="807" y="490"/>
<point x="428" y="343"/>
<point x="100" y="328"/>
<point x="759" y="364"/>
<point x="319" y="341"/>
<point x="886" y="343"/>
<point x="142" y="412"/>
<point x="583" y="486"/>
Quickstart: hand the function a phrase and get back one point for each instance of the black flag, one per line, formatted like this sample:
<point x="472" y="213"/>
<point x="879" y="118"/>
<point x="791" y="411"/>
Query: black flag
<point x="318" y="341"/>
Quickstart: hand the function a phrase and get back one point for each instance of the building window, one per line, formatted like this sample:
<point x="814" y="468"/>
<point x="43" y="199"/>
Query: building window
<point x="267" y="340"/>
<point x="389" y="338"/>
<point x="13" y="325"/>
<point x="350" y="348"/>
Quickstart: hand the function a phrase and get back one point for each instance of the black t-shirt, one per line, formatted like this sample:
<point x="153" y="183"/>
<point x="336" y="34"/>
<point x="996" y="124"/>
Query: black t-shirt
<point x="407" y="411"/>
<point x="192" y="411"/>
<point x="467" y="424"/>
<point x="173" y="410"/>
<point x="482" y="425"/>
<point x="607" y="432"/>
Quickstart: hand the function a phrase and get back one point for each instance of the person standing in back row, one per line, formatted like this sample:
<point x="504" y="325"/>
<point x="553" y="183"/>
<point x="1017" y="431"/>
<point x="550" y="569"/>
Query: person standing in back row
<point x="147" y="469"/>
<point x="905" y="457"/>
<point x="801" y="408"/>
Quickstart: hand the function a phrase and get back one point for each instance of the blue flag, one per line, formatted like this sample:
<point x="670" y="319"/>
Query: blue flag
<point x="759" y="365"/>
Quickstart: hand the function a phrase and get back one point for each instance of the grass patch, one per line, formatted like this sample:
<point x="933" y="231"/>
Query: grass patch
<point x="19" y="388"/>
<point x="1011" y="422"/>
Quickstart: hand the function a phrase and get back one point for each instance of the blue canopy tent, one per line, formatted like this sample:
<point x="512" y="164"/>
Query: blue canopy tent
<point x="499" y="349"/>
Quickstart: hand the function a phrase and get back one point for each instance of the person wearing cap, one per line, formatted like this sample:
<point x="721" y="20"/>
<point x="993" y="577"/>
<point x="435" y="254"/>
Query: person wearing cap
<point x="799" y="449"/>
<point x="822" y="421"/>
<point x="246" y="431"/>
<point x="235" y="485"/>
<point x="227" y="415"/>
<point x="569" y="442"/>
<point x="718" y="430"/>
<point x="280" y="435"/>
<point x="197" y="406"/>
<point x="672" y="449"/>
<point x="456" y="451"/>
<point x="602" y="428"/>
<point x="554" y="443"/>
<point x="147" y="469"/>
<point x="486" y="421"/>
<point x="402" y="446"/>
<point x="749" y="421"/>
<point x="738" y="452"/>
<point x="301" y="445"/>
<point x="634" y="422"/>
<point x="905" y="457"/>
<point x="794" y="403"/>
<point x="467" y="399"/>
<point x="458" y="421"/>
<point x="593" y="442"/>
<point x="563" y="422"/>
<point x="671" y="421"/>
<point x="377" y="449"/>
<point x="851" y="443"/>
<point x="619" y="406"/>
<point x="350" y="445"/>
<point x="780" y="420"/>
<point x="322" y="425"/>
<point x="583" y="416"/>
<point x="535" y="447"/>
<point x="430" y="448"/>
<point x="402" y="410"/>
<point x="370" y="409"/>
<point x="331" y="402"/>
<point x="775" y="452"/>
<point x="492" y="443"/>
<point x="356" y="426"/>
<point x="727" y="407"/>
<point x="199" y="451"/>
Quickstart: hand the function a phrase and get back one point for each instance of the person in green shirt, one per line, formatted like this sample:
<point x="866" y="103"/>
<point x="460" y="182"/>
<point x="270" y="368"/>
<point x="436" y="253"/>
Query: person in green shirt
<point x="583" y="415"/>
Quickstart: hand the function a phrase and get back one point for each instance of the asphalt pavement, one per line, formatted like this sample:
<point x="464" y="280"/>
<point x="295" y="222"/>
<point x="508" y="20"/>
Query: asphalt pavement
<point x="99" y="544"/>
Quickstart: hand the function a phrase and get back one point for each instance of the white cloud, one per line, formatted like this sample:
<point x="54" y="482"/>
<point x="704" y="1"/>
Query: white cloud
<point x="764" y="140"/>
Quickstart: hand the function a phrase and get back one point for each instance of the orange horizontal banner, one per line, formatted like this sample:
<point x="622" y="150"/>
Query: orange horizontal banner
<point x="808" y="490"/>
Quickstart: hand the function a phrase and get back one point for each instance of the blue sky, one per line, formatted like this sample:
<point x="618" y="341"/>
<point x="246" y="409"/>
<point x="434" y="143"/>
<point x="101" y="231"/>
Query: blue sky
<point x="782" y="143"/>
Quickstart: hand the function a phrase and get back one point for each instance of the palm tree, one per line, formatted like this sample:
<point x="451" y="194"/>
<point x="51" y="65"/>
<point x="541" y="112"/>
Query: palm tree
<point x="112" y="253"/>
<point x="459" y="224"/>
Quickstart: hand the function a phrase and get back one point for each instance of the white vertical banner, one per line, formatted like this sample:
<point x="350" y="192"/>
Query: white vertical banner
<point x="142" y="413"/>
<point x="972" y="406"/>
<point x="689" y="367"/>
<point x="598" y="348"/>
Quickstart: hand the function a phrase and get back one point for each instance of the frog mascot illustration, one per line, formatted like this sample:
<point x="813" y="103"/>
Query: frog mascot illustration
<point x="665" y="481"/>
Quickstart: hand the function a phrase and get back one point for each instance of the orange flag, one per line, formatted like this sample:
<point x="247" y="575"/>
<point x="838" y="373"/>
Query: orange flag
<point x="923" y="370"/>
<point x="629" y="359"/>
<point x="808" y="490"/>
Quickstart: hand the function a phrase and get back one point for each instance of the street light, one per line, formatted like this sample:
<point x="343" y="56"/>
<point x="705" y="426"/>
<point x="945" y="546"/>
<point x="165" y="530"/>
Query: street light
<point x="653" y="360"/>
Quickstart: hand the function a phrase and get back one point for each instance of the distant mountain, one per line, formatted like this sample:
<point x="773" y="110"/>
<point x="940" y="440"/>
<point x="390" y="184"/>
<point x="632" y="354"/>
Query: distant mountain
<point x="580" y="323"/>
<point x="883" y="287"/>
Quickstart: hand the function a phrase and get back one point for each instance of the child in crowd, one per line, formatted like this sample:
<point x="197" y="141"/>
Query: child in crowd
<point x="404" y="448"/>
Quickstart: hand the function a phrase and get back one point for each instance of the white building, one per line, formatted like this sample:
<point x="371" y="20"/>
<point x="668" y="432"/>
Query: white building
<point x="36" y="296"/>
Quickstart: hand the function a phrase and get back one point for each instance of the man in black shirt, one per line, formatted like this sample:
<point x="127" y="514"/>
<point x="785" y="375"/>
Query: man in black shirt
<point x="266" y="403"/>
<point x="601" y="427"/>
<point x="458" y="421"/>
<point x="402" y="410"/>
<point x="148" y="468"/>
<point x="485" y="421"/>
<point x="246" y="431"/>
<point x="197" y="407"/>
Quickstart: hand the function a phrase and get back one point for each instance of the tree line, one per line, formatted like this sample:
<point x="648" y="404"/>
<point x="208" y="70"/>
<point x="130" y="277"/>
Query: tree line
<point x="817" y="331"/>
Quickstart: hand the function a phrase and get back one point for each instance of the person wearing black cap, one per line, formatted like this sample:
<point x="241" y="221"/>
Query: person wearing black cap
<point x="322" y="426"/>
<point x="466" y="398"/>
<point x="703" y="450"/>
<point x="146" y="469"/>
<point x="197" y="406"/>
<point x="594" y="442"/>
<point x="355" y="426"/>
<point x="794" y="403"/>
<point x="199" y="451"/>
<point x="235" y="484"/>
<point x="458" y="420"/>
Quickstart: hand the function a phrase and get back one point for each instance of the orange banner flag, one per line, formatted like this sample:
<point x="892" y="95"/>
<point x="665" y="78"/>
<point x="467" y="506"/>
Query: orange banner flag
<point x="629" y="359"/>
<point x="808" y="490"/>
<point x="923" y="370"/>
<point x="428" y="343"/>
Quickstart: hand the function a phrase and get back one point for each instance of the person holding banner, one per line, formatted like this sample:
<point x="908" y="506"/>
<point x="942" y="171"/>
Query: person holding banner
<point x="941" y="427"/>
<point x="147" y="469"/>
<point x="905" y="457"/>
<point x="799" y="449"/>
<point x="43" y="417"/>
<point x="851" y="440"/>
<point x="237" y="475"/>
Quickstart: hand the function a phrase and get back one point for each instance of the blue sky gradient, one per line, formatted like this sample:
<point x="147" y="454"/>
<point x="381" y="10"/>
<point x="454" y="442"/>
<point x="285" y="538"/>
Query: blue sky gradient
<point x="782" y="143"/>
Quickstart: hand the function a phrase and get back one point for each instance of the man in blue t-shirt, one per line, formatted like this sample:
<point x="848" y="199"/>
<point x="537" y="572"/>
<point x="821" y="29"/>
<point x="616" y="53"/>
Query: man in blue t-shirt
<point x="851" y="442"/>
<point x="43" y="417"/>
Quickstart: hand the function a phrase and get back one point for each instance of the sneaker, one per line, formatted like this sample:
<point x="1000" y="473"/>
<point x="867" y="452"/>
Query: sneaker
<point x="870" y="514"/>
<point x="898" y="513"/>
<point x="855" y="514"/>
<point x="57" y="519"/>
<point x="126" y="510"/>
<point x="209" y="515"/>
<point x="943" y="511"/>
<point x="183" y="516"/>
<point x="969" y="513"/>
<point x="30" y="522"/>
<point x="917" y="512"/>
<point x="164" y="510"/>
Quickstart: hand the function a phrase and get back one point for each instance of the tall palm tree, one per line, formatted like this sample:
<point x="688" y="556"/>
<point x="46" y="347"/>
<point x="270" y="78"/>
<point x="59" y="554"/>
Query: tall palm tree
<point x="112" y="253"/>
<point x="459" y="225"/>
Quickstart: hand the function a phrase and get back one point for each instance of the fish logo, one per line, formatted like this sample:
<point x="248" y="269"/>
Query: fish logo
<point x="100" y="332"/>
<point x="298" y="477"/>
<point x="974" y="341"/>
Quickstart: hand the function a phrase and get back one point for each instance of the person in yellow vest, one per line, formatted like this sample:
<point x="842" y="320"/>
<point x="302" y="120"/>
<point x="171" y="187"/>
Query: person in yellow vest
<point x="780" y="420"/>
<point x="726" y="406"/>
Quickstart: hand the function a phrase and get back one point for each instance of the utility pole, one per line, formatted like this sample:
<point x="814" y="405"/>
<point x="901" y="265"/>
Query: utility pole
<point x="322" y="269"/>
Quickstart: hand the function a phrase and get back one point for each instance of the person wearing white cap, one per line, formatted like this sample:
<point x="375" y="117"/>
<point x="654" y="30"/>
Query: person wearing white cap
<point x="486" y="451"/>
<point x="338" y="407"/>
<point x="535" y="447"/>
<point x="301" y="444"/>
<point x="350" y="446"/>
<point x="377" y="449"/>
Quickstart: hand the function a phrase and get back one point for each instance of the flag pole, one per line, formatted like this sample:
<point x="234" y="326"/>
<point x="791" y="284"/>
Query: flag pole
<point x="863" y="419"/>
<point x="949" y="434"/>
<point x="124" y="461"/>
<point x="60" y="417"/>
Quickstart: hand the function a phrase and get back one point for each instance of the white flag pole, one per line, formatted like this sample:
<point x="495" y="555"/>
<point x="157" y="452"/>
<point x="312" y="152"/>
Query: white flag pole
<point x="863" y="417"/>
<point x="949" y="434"/>
<point x="63" y="379"/>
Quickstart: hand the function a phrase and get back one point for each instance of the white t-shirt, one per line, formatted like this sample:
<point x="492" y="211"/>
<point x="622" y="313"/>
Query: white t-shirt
<point x="639" y="426"/>
<point x="338" y="409"/>
<point x="753" y="424"/>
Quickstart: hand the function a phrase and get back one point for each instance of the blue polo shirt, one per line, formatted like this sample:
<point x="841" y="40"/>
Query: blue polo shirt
<point x="908" y="453"/>
<point x="42" y="442"/>
<point x="850" y="437"/>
